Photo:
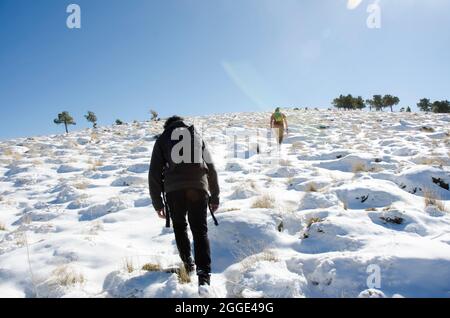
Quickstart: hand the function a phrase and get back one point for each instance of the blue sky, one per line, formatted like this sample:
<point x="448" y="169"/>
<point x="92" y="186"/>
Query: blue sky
<point x="193" y="57"/>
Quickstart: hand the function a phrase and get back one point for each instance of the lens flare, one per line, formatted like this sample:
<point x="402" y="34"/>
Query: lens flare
<point x="353" y="4"/>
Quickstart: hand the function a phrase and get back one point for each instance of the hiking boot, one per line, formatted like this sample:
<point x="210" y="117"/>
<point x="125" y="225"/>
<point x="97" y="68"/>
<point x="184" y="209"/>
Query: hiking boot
<point x="189" y="267"/>
<point x="204" y="279"/>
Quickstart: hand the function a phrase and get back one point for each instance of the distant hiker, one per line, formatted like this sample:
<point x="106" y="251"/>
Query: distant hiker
<point x="278" y="121"/>
<point x="184" y="178"/>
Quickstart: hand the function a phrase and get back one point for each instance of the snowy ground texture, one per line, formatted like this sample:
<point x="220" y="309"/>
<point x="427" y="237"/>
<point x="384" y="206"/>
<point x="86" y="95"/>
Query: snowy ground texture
<point x="353" y="189"/>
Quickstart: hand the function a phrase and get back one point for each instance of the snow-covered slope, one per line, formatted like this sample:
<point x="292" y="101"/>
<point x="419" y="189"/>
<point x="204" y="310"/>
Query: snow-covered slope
<point x="347" y="196"/>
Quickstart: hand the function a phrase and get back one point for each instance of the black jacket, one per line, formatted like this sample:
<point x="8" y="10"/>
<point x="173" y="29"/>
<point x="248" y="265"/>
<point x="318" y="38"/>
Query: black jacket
<point x="169" y="178"/>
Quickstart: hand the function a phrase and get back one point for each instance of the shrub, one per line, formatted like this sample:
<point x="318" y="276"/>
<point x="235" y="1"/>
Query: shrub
<point x="154" y="115"/>
<point x="92" y="118"/>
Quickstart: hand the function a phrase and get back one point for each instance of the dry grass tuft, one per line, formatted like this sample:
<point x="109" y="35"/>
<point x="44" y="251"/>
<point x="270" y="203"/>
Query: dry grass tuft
<point x="431" y="199"/>
<point x="345" y="205"/>
<point x="67" y="276"/>
<point x="149" y="267"/>
<point x="95" y="164"/>
<point x="183" y="275"/>
<point x="285" y="163"/>
<point x="83" y="185"/>
<point x="264" y="202"/>
<point x="128" y="265"/>
<point x="359" y="167"/>
<point x="265" y="256"/>
<point x="313" y="220"/>
<point x="430" y="161"/>
<point x="8" y="152"/>
<point x="230" y="209"/>
<point x="311" y="187"/>
<point x="2" y="227"/>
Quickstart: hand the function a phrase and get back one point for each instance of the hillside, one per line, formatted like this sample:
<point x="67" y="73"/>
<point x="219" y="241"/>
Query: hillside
<point x="350" y="189"/>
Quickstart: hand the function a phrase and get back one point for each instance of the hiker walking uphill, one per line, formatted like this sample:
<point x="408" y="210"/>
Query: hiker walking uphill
<point x="278" y="121"/>
<point x="181" y="175"/>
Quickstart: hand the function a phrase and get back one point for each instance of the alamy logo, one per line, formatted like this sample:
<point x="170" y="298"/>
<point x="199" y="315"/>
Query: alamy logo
<point x="374" y="279"/>
<point x="374" y="11"/>
<point x="74" y="19"/>
<point x="374" y="19"/>
<point x="182" y="151"/>
<point x="188" y="145"/>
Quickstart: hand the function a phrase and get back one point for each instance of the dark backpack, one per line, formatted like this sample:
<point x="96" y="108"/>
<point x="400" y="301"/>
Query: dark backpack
<point x="193" y="161"/>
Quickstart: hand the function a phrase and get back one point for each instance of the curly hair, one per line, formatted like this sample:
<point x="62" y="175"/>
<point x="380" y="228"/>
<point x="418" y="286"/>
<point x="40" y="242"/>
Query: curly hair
<point x="171" y="120"/>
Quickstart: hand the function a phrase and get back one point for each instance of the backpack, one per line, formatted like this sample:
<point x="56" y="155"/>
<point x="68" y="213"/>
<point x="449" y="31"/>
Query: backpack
<point x="177" y="160"/>
<point x="278" y="116"/>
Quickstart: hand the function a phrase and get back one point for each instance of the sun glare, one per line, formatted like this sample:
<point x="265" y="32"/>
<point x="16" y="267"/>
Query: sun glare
<point x="353" y="4"/>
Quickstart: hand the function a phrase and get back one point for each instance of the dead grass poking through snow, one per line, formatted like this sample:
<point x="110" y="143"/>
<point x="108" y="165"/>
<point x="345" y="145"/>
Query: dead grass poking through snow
<point x="95" y="164"/>
<point x="264" y="202"/>
<point x="2" y="227"/>
<point x="345" y="205"/>
<point x="149" y="267"/>
<point x="311" y="187"/>
<point x="67" y="276"/>
<point x="285" y="163"/>
<point x="83" y="185"/>
<point x="8" y="152"/>
<point x="183" y="275"/>
<point x="431" y="161"/>
<point x="431" y="199"/>
<point x="229" y="209"/>
<point x="265" y="256"/>
<point x="359" y="167"/>
<point x="313" y="220"/>
<point x="128" y="265"/>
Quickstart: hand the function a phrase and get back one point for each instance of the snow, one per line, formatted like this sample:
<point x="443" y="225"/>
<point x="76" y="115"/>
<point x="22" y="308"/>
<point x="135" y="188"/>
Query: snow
<point x="346" y="191"/>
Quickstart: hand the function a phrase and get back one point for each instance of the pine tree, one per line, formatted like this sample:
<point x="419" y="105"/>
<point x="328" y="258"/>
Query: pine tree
<point x="358" y="103"/>
<point x="154" y="115"/>
<point x="441" y="106"/>
<point x="119" y="122"/>
<point x="424" y="105"/>
<point x="92" y="118"/>
<point x="408" y="109"/>
<point x="376" y="102"/>
<point x="346" y="102"/>
<point x="66" y="119"/>
<point x="390" y="101"/>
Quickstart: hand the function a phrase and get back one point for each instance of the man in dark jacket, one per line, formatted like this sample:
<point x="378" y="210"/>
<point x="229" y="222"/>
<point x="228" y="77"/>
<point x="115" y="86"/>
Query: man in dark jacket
<point x="186" y="180"/>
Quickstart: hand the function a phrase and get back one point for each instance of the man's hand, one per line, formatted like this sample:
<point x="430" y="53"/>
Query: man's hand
<point x="213" y="207"/>
<point x="161" y="213"/>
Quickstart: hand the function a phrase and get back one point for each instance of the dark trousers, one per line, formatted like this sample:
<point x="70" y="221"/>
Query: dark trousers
<point x="194" y="203"/>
